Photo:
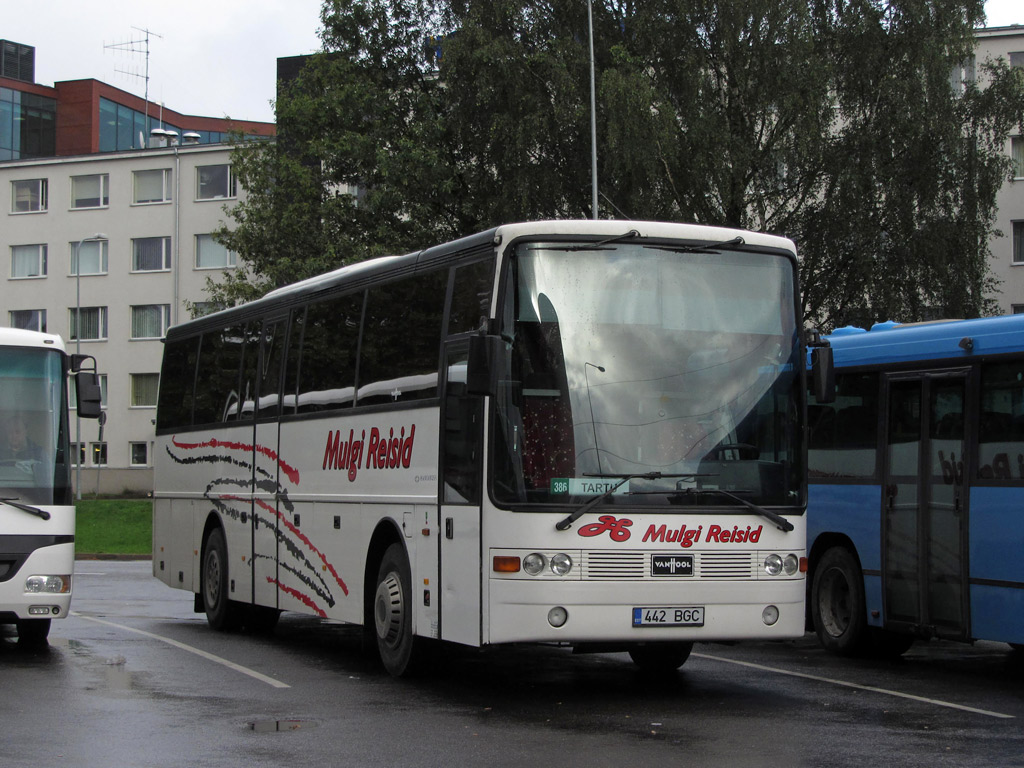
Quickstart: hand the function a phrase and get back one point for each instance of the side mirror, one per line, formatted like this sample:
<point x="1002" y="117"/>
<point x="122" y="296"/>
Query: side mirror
<point x="88" y="397"/>
<point x="823" y="374"/>
<point x="485" y="356"/>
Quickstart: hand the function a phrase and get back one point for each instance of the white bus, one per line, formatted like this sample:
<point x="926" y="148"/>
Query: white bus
<point x="587" y="433"/>
<point x="37" y="512"/>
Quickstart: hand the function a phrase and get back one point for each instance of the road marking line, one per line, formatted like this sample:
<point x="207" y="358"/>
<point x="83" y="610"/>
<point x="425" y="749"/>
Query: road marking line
<point x="191" y="649"/>
<point x="858" y="686"/>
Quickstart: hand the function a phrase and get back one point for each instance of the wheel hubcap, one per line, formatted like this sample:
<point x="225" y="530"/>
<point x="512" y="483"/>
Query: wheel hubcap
<point x="834" y="603"/>
<point x="388" y="610"/>
<point x="212" y="579"/>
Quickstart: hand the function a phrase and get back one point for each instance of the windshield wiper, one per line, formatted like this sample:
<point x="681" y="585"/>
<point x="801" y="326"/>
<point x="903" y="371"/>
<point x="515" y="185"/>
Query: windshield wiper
<point x="704" y="248"/>
<point x="599" y="245"/>
<point x="623" y="479"/>
<point x="780" y="522"/>
<point x="27" y="508"/>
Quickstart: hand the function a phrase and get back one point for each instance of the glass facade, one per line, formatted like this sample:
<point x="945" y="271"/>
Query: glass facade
<point x="123" y="128"/>
<point x="28" y="125"/>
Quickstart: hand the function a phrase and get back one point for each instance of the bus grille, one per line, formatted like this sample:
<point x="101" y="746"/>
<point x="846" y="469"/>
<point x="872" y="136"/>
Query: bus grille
<point x="625" y="566"/>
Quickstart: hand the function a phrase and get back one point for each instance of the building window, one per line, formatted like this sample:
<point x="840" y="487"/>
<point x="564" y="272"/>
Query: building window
<point x="92" y="254"/>
<point x="144" y="389"/>
<point x="150" y="321"/>
<point x="212" y="255"/>
<point x="1017" y="309"/>
<point x="214" y="182"/>
<point x="1017" y="58"/>
<point x="91" y="191"/>
<point x="1018" y="242"/>
<point x="139" y="454"/>
<point x="29" y="196"/>
<point x="28" y="319"/>
<point x="152" y="186"/>
<point x="151" y="254"/>
<point x="94" y="323"/>
<point x="1017" y="155"/>
<point x="99" y="454"/>
<point x="28" y="261"/>
<point x="77" y="450"/>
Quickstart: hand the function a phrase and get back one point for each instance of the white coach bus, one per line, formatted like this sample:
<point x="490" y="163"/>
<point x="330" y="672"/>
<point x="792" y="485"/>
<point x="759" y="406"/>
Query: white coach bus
<point x="37" y="511"/>
<point x="578" y="432"/>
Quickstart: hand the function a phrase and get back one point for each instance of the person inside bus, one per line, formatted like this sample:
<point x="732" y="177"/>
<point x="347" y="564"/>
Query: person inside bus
<point x="15" y="444"/>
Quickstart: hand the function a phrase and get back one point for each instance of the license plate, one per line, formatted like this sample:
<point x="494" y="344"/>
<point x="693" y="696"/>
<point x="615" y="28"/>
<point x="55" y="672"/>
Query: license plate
<point x="672" y="565"/>
<point x="691" y="616"/>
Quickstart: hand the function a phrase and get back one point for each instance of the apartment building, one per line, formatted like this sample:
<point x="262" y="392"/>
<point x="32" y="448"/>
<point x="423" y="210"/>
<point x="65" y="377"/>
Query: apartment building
<point x="107" y="205"/>
<point x="106" y="250"/>
<point x="1007" y="248"/>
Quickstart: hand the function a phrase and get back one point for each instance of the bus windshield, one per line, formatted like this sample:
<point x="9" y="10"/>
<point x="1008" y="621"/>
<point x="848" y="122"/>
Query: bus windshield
<point x="674" y="367"/>
<point x="33" y="454"/>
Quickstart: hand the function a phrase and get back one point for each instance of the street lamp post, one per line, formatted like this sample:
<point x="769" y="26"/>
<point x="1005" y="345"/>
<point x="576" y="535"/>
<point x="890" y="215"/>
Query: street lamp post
<point x="78" y="349"/>
<point x="593" y="112"/>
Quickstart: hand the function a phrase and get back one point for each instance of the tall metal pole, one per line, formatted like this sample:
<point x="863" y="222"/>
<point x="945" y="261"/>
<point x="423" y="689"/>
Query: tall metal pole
<point x="593" y="112"/>
<point x="78" y="349"/>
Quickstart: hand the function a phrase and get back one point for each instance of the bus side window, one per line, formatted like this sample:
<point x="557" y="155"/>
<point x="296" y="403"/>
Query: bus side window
<point x="1001" y="422"/>
<point x="220" y="357"/>
<point x="177" y="384"/>
<point x="250" y="372"/>
<point x="842" y="435"/>
<point x="471" y="296"/>
<point x="327" y="372"/>
<point x="292" y="364"/>
<point x="398" y="356"/>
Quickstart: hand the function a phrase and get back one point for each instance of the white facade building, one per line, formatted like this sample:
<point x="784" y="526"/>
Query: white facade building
<point x="154" y="210"/>
<point x="1007" y="249"/>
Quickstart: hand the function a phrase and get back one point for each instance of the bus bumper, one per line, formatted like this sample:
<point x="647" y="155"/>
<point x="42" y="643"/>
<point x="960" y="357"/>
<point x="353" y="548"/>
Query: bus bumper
<point x="522" y="611"/>
<point x="18" y="603"/>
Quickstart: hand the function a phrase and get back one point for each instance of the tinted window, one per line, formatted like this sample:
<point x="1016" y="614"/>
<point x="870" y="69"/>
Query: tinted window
<point x="1001" y="422"/>
<point x="177" y="382"/>
<point x="220" y="357"/>
<point x="471" y="296"/>
<point x="327" y="372"/>
<point x="399" y="352"/>
<point x="842" y="436"/>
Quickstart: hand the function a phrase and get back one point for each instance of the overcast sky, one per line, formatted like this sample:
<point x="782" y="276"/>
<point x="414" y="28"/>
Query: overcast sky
<point x="214" y="58"/>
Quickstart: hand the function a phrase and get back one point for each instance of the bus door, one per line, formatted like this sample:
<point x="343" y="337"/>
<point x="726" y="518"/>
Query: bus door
<point x="267" y="491"/>
<point x="924" y="515"/>
<point x="461" y="481"/>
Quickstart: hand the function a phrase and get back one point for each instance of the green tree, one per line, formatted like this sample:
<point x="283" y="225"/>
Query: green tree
<point x="834" y="122"/>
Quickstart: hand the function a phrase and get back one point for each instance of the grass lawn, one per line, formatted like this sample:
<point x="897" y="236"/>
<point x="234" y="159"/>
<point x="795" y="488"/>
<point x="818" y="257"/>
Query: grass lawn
<point x="114" y="527"/>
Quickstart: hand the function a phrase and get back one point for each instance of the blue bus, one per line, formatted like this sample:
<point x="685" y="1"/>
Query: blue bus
<point x="916" y="498"/>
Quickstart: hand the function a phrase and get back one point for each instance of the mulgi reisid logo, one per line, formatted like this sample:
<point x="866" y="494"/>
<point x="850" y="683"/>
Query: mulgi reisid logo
<point x="379" y="451"/>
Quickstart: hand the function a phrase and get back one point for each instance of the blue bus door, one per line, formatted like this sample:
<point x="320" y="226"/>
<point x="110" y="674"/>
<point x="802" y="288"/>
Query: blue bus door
<point x="924" y="518"/>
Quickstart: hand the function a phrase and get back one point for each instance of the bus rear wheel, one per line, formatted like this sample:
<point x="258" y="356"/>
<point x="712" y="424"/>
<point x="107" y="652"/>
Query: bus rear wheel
<point x="660" y="657"/>
<point x="222" y="613"/>
<point x="837" y="603"/>
<point x="397" y="647"/>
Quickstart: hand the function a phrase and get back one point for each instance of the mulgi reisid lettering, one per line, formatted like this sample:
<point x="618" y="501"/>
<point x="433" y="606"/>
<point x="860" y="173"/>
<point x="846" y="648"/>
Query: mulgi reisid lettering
<point x="382" y="451"/>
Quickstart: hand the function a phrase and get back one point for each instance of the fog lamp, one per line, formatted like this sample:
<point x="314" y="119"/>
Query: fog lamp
<point x="557" y="616"/>
<point x="770" y="615"/>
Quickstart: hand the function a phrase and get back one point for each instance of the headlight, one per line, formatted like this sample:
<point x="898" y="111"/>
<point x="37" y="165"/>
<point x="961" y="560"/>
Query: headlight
<point x="791" y="565"/>
<point x="773" y="565"/>
<point x="533" y="563"/>
<point x="561" y="564"/>
<point x="50" y="584"/>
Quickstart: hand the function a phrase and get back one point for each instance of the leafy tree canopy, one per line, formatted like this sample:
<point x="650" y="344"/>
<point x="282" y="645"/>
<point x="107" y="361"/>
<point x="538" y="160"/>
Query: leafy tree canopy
<point x="839" y="123"/>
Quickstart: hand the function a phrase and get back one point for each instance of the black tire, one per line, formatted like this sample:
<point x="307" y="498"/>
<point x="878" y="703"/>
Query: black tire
<point x="660" y="657"/>
<point x="33" y="632"/>
<point x="837" y="603"/>
<point x="397" y="647"/>
<point x="222" y="613"/>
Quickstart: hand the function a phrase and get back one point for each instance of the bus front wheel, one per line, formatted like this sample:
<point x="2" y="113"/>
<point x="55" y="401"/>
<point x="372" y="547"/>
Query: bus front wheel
<point x="660" y="657"/>
<point x="392" y="613"/>
<point x="222" y="613"/>
<point x="837" y="603"/>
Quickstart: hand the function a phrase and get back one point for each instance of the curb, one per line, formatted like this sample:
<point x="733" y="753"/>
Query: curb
<point x="103" y="556"/>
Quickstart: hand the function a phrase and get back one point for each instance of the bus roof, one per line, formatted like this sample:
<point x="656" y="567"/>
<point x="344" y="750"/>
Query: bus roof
<point x="385" y="267"/>
<point x="942" y="340"/>
<point x="16" y="337"/>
